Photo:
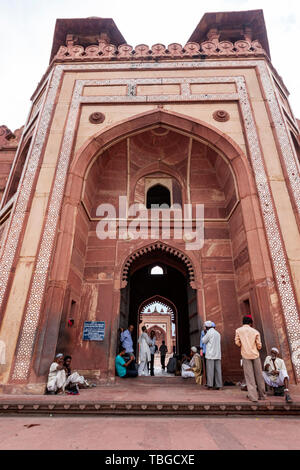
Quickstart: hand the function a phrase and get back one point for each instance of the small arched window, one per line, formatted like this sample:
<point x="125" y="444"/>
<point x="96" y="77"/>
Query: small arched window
<point x="158" y="195"/>
<point x="156" y="271"/>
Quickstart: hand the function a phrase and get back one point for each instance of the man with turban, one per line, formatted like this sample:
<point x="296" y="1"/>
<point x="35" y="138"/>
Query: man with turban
<point x="276" y="376"/>
<point x="212" y="340"/>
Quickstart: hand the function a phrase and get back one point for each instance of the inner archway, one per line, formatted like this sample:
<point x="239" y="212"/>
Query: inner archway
<point x="159" y="315"/>
<point x="161" y="302"/>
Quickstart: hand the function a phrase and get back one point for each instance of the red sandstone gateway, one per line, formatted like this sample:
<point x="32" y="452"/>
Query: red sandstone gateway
<point x="205" y="123"/>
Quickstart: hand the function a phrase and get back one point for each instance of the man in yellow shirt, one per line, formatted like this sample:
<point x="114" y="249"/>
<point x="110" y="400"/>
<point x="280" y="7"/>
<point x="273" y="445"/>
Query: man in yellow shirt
<point x="248" y="339"/>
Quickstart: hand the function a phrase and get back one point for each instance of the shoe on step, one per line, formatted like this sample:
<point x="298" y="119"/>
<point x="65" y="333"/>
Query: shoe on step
<point x="288" y="398"/>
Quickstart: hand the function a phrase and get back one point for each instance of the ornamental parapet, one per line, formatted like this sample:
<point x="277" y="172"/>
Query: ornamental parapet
<point x="103" y="51"/>
<point x="8" y="138"/>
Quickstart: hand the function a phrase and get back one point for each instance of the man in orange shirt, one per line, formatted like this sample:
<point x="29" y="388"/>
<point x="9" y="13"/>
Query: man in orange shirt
<point x="248" y="339"/>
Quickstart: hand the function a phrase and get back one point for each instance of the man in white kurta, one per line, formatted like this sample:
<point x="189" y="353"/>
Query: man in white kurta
<point x="57" y="375"/>
<point x="145" y="354"/>
<point x="275" y="373"/>
<point x="212" y="339"/>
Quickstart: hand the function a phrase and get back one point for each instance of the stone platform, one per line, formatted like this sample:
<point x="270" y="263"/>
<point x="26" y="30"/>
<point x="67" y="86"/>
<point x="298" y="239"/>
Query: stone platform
<point x="154" y="396"/>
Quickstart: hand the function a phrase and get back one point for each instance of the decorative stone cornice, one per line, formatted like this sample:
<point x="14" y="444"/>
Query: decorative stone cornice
<point x="60" y="406"/>
<point x="9" y="139"/>
<point x="103" y="51"/>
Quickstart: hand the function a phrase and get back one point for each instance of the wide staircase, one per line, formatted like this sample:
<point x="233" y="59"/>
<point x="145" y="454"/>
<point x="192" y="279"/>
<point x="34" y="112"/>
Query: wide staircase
<point x="150" y="396"/>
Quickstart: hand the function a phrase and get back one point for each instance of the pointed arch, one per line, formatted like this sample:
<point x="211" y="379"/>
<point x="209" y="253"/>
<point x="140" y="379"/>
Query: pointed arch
<point x="213" y="137"/>
<point x="160" y="247"/>
<point x="162" y="300"/>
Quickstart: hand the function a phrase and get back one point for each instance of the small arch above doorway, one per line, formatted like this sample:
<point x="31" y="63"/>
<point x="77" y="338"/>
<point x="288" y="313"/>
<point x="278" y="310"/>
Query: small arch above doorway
<point x="157" y="270"/>
<point x="158" y="195"/>
<point x="155" y="250"/>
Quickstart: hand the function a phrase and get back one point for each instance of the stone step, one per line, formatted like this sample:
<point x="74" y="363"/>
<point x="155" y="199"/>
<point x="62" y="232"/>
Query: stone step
<point x="146" y="408"/>
<point x="159" y="380"/>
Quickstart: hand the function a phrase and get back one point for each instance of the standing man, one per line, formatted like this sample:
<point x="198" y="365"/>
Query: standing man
<point x="212" y="340"/>
<point x="202" y="345"/>
<point x="152" y="351"/>
<point x="248" y="339"/>
<point x="145" y="355"/>
<point x="163" y="351"/>
<point x="127" y="344"/>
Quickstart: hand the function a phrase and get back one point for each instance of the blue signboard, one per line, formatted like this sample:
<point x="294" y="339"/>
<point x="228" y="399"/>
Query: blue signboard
<point x="93" y="330"/>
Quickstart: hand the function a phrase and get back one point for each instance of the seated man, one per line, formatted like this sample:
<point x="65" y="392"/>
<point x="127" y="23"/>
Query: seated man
<point x="275" y="374"/>
<point x="194" y="368"/>
<point x="171" y="366"/>
<point x="184" y="359"/>
<point x="74" y="381"/>
<point x="57" y="376"/>
<point x="122" y="366"/>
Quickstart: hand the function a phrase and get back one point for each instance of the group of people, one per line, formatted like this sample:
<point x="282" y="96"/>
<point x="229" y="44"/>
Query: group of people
<point x="274" y="375"/>
<point x="205" y="360"/>
<point x="61" y="379"/>
<point x="125" y="360"/>
<point x="206" y="357"/>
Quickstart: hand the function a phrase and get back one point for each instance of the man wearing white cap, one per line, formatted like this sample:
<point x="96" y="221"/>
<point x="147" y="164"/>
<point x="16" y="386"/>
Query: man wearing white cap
<point x="212" y="340"/>
<point x="194" y="368"/>
<point x="275" y="374"/>
<point x="57" y="375"/>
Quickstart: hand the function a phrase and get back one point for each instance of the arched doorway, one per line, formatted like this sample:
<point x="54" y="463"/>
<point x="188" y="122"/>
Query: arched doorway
<point x="160" y="316"/>
<point x="147" y="294"/>
<point x="162" y="308"/>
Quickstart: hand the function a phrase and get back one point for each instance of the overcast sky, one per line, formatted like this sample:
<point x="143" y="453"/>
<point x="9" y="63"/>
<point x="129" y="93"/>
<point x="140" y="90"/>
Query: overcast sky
<point x="27" y="26"/>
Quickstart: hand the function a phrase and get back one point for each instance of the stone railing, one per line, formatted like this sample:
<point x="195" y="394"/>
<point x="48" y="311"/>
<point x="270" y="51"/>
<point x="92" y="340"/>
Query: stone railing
<point x="104" y="51"/>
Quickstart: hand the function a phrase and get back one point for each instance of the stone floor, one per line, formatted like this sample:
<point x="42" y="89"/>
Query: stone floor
<point x="149" y="433"/>
<point x="159" y="389"/>
<point x="166" y="417"/>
